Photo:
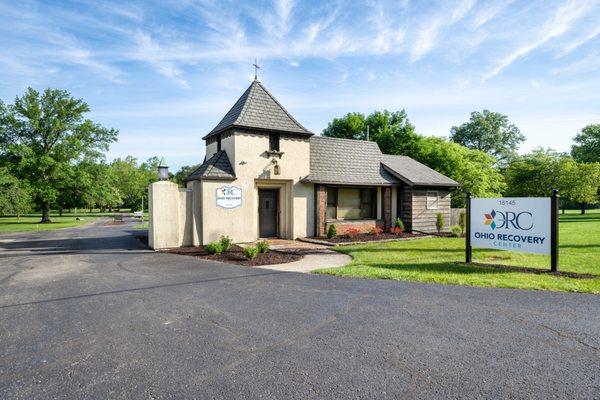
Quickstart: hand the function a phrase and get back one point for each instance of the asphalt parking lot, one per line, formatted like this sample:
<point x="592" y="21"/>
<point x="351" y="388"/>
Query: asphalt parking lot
<point x="90" y="313"/>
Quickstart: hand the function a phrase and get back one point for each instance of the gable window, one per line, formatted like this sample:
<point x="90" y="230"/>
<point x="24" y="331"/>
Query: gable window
<point x="219" y="142"/>
<point x="432" y="200"/>
<point x="274" y="141"/>
<point x="351" y="203"/>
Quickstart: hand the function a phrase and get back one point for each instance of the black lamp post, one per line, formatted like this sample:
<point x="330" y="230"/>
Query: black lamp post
<point x="163" y="170"/>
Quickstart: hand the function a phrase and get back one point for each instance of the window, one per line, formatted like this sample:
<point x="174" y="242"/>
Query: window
<point x="219" y="142"/>
<point x="351" y="203"/>
<point x="274" y="142"/>
<point x="331" y="203"/>
<point x="432" y="200"/>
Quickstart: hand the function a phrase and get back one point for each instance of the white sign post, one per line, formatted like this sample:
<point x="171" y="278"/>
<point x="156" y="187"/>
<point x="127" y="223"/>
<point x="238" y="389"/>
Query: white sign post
<point x="526" y="224"/>
<point x="229" y="196"/>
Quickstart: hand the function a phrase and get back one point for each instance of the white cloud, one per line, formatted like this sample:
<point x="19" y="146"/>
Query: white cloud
<point x="489" y="12"/>
<point x="150" y="51"/>
<point x="430" y="28"/>
<point x="561" y="21"/>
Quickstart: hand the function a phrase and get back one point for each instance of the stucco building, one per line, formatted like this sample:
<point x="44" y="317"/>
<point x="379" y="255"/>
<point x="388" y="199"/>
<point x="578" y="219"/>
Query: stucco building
<point x="265" y="175"/>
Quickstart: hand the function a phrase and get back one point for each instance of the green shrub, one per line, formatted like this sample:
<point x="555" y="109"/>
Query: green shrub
<point x="225" y="242"/>
<point x="462" y="222"/>
<point x="213" y="248"/>
<point x="456" y="230"/>
<point x="439" y="222"/>
<point x="399" y="224"/>
<point x="332" y="231"/>
<point x="262" y="246"/>
<point x="251" y="252"/>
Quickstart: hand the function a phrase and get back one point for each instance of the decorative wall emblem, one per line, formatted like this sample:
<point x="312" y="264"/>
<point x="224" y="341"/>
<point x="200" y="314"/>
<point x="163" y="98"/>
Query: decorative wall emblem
<point x="229" y="196"/>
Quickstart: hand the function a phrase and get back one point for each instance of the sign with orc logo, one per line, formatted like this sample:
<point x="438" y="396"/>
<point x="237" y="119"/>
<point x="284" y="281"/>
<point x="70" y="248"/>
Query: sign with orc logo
<point x="229" y="196"/>
<point x="518" y="223"/>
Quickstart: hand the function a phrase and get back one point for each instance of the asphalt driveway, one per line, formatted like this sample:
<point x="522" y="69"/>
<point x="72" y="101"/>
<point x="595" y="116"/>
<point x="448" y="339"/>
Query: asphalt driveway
<point x="89" y="313"/>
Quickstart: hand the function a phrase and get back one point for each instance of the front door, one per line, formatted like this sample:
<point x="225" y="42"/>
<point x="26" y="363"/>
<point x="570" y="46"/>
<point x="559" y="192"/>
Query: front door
<point x="267" y="213"/>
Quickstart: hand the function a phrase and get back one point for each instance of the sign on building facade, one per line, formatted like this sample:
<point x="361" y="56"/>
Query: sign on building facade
<point x="229" y="196"/>
<point x="519" y="224"/>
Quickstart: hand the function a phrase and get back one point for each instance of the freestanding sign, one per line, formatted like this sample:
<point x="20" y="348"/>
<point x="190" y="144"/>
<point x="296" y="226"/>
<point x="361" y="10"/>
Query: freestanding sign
<point x="229" y="196"/>
<point x="525" y="224"/>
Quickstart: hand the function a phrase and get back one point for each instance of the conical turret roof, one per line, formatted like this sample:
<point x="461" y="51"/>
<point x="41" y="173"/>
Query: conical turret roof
<point x="258" y="109"/>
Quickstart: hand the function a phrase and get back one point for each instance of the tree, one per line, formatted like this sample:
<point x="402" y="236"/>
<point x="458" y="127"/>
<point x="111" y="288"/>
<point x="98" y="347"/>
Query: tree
<point x="490" y="132"/>
<point x="183" y="173"/>
<point x="44" y="134"/>
<point x="132" y="180"/>
<point x="581" y="182"/>
<point x="394" y="134"/>
<point x="14" y="196"/>
<point x="587" y="144"/>
<point x="350" y="126"/>
<point x="473" y="169"/>
<point x="392" y="131"/>
<point x="535" y="174"/>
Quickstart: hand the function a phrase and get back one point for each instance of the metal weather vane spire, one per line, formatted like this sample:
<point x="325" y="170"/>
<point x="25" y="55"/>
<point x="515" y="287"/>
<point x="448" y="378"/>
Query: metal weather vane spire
<point x="256" y="68"/>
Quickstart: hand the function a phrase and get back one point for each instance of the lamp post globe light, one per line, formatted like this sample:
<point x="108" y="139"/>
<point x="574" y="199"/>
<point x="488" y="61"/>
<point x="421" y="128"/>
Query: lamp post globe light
<point x="163" y="170"/>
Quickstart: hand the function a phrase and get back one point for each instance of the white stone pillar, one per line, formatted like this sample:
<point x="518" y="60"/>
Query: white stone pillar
<point x="163" y="208"/>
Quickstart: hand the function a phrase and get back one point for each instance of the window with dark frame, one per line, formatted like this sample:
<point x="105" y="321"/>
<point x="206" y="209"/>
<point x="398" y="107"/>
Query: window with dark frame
<point x="274" y="141"/>
<point x="351" y="203"/>
<point x="219" y="142"/>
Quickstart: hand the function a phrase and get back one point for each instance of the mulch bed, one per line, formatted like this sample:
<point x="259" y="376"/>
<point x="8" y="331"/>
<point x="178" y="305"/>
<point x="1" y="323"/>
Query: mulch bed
<point x="532" y="270"/>
<point x="367" y="237"/>
<point x="235" y="255"/>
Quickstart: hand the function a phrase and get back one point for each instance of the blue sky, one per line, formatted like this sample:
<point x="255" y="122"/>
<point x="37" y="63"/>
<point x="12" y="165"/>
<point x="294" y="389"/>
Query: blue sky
<point x="165" y="72"/>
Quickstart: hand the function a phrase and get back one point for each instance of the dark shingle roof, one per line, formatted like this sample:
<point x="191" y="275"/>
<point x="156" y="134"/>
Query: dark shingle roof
<point x="359" y="162"/>
<point x="415" y="173"/>
<point x="216" y="167"/>
<point x="258" y="109"/>
<point x="346" y="162"/>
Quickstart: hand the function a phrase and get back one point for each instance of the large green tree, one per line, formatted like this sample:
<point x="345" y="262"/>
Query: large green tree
<point x="473" y="169"/>
<point x="580" y="182"/>
<point x="490" y="132"/>
<point x="537" y="173"/>
<point x="14" y="195"/>
<point x="534" y="174"/>
<point x="392" y="131"/>
<point x="132" y="180"/>
<point x="44" y="134"/>
<point x="350" y="126"/>
<point x="394" y="134"/>
<point x="183" y="173"/>
<point x="587" y="144"/>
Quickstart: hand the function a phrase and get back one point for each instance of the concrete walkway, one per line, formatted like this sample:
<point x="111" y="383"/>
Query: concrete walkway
<point x="313" y="260"/>
<point x="315" y="256"/>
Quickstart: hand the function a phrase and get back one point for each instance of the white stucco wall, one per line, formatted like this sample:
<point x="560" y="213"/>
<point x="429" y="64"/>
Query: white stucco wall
<point x="247" y="153"/>
<point x="170" y="216"/>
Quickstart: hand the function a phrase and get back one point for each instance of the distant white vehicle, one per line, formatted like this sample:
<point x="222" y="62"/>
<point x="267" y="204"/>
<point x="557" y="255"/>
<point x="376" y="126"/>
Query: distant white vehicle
<point x="138" y="214"/>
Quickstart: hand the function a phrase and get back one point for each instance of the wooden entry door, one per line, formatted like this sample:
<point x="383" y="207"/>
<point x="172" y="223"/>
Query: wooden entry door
<point x="267" y="212"/>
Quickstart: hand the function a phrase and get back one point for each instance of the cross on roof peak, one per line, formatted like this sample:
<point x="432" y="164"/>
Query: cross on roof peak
<point x="256" y="68"/>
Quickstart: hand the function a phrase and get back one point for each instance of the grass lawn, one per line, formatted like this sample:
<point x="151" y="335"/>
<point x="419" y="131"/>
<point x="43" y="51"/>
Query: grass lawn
<point x="438" y="260"/>
<point x="30" y="222"/>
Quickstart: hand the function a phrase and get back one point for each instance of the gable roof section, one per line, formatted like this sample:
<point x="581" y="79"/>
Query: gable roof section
<point x="414" y="173"/>
<point x="346" y="162"/>
<point x="258" y="109"/>
<point x="217" y="167"/>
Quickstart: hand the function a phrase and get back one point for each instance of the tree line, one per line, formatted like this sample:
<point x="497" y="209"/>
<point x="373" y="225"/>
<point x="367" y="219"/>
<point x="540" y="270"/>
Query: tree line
<point x="481" y="154"/>
<point x="52" y="157"/>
